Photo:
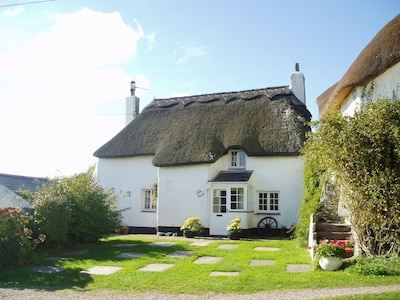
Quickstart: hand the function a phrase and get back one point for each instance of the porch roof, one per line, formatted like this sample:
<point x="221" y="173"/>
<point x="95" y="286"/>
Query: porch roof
<point x="233" y="176"/>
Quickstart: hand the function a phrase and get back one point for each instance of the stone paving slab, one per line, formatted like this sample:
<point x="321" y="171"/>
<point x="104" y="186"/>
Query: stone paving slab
<point x="201" y="243"/>
<point x="130" y="255"/>
<point x="79" y="252"/>
<point x="230" y="274"/>
<point x="156" y="267"/>
<point x="47" y="269"/>
<point x="101" y="270"/>
<point x="162" y="244"/>
<point x="266" y="249"/>
<point x="124" y="245"/>
<point x="180" y="254"/>
<point x="298" y="268"/>
<point x="228" y="246"/>
<point x="262" y="262"/>
<point x="207" y="260"/>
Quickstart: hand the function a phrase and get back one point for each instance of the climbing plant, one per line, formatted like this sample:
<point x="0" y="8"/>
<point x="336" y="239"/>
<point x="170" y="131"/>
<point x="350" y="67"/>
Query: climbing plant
<point x="363" y="153"/>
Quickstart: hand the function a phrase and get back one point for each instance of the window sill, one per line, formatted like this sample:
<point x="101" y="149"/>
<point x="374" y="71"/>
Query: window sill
<point x="267" y="213"/>
<point x="148" y="211"/>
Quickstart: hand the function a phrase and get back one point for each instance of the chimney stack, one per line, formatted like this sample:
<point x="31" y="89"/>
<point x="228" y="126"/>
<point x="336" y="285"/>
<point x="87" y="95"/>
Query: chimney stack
<point x="132" y="104"/>
<point x="297" y="84"/>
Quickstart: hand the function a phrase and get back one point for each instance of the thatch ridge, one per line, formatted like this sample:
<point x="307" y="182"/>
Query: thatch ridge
<point x="179" y="134"/>
<point x="380" y="54"/>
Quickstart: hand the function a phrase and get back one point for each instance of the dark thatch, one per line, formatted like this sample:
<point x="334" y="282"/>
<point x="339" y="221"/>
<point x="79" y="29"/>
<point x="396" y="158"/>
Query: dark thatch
<point x="201" y="129"/>
<point x="380" y="54"/>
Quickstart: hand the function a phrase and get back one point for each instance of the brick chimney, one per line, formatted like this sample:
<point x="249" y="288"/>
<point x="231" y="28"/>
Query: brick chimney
<point x="132" y="105"/>
<point x="297" y="84"/>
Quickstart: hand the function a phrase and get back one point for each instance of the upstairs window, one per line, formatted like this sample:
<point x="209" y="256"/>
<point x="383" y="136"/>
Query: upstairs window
<point x="238" y="159"/>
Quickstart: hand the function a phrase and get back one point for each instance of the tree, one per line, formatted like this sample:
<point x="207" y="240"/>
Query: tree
<point x="75" y="209"/>
<point x="363" y="154"/>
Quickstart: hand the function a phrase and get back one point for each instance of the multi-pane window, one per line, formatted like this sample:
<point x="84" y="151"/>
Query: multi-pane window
<point x="219" y="201"/>
<point x="148" y="200"/>
<point x="238" y="159"/>
<point x="237" y="198"/>
<point x="268" y="201"/>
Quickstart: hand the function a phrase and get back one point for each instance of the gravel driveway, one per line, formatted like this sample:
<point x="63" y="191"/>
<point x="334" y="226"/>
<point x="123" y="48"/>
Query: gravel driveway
<point x="290" y="295"/>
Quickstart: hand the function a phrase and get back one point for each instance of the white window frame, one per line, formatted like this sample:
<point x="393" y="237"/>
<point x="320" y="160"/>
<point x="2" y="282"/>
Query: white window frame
<point x="237" y="159"/>
<point x="147" y="200"/>
<point x="272" y="201"/>
<point x="226" y="199"/>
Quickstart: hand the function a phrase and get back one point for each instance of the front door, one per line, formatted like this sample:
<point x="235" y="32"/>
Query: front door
<point x="219" y="212"/>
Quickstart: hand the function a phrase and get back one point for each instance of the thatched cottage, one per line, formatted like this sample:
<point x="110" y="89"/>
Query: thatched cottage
<point x="213" y="156"/>
<point x="375" y="73"/>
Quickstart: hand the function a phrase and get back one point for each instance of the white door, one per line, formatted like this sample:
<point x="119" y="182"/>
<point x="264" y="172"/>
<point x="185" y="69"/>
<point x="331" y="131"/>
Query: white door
<point x="219" y="212"/>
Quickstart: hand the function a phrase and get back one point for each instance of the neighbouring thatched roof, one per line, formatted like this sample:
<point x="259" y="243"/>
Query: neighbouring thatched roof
<point x="200" y="129"/>
<point x="380" y="54"/>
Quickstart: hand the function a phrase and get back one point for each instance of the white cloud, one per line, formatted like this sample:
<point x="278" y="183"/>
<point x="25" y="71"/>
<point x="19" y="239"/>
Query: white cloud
<point x="189" y="51"/>
<point x="14" y="11"/>
<point x="75" y="68"/>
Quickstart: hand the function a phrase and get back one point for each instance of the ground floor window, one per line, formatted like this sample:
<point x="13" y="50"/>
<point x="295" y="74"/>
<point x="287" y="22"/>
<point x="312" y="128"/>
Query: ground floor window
<point x="225" y="199"/>
<point x="148" y="203"/>
<point x="268" y="201"/>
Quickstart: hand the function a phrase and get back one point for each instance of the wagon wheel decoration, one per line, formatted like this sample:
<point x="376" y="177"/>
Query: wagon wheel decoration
<point x="267" y="226"/>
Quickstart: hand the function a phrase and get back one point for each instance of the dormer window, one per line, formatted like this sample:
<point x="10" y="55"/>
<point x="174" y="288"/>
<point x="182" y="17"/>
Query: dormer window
<point x="238" y="159"/>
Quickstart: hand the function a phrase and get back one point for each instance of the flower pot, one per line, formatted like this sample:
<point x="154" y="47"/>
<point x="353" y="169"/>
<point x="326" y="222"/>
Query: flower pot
<point x="188" y="234"/>
<point x="330" y="263"/>
<point x="233" y="235"/>
<point x="125" y="230"/>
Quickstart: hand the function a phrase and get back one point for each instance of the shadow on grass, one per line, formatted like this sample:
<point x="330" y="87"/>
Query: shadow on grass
<point x="99" y="254"/>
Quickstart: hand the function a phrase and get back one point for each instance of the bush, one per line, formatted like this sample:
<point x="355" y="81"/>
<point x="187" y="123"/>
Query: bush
<point x="16" y="239"/>
<point x="379" y="265"/>
<point x="76" y="209"/>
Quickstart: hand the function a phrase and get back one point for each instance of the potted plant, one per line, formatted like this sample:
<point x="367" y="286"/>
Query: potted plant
<point x="234" y="229"/>
<point x="124" y="229"/>
<point x="192" y="227"/>
<point x="329" y="255"/>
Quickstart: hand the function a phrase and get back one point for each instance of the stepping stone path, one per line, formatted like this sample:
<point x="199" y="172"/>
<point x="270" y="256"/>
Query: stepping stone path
<point x="156" y="267"/>
<point x="259" y="262"/>
<point x="230" y="274"/>
<point x="108" y="270"/>
<point x="101" y="270"/>
<point x="180" y="254"/>
<point x="124" y="245"/>
<point x="266" y="249"/>
<point x="228" y="246"/>
<point x="201" y="243"/>
<point x="47" y="269"/>
<point x="162" y="244"/>
<point x="204" y="260"/>
<point x="130" y="255"/>
<point x="298" y="268"/>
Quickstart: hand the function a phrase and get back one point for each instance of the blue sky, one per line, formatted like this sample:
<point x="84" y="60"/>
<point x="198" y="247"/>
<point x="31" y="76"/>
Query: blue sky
<point x="66" y="65"/>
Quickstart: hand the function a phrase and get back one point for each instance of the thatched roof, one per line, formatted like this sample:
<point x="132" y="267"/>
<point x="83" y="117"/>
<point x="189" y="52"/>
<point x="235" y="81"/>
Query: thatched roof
<point x="201" y="129"/>
<point x="380" y="54"/>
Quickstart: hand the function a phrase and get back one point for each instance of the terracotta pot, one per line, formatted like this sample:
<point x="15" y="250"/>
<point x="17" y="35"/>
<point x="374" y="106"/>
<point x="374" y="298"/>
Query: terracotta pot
<point x="125" y="230"/>
<point x="330" y="263"/>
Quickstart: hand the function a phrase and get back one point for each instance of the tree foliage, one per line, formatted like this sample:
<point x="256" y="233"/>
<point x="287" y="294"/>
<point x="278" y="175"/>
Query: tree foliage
<point x="75" y="209"/>
<point x="363" y="153"/>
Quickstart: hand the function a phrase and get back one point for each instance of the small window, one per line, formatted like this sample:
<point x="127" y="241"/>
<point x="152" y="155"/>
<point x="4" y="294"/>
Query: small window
<point x="238" y="159"/>
<point x="237" y="198"/>
<point x="149" y="204"/>
<point x="268" y="201"/>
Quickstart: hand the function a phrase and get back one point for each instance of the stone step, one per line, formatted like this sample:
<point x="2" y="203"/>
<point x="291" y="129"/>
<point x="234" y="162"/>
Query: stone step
<point x="334" y="227"/>
<point x="333" y="235"/>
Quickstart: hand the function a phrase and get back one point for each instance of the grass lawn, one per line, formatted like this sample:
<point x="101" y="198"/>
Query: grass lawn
<point x="184" y="276"/>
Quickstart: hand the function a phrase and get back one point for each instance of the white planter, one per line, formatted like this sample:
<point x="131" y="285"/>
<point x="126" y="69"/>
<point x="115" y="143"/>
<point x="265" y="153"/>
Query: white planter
<point x="330" y="263"/>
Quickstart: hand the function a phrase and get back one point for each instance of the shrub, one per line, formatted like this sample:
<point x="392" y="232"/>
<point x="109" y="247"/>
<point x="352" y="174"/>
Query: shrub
<point x="379" y="265"/>
<point x="329" y="249"/>
<point x="193" y="224"/>
<point x="16" y="239"/>
<point x="235" y="225"/>
<point x="76" y="209"/>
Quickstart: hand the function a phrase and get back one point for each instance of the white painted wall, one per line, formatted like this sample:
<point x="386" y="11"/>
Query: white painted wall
<point x="130" y="175"/>
<point x="281" y="174"/>
<point x="386" y="85"/>
<point x="178" y="194"/>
